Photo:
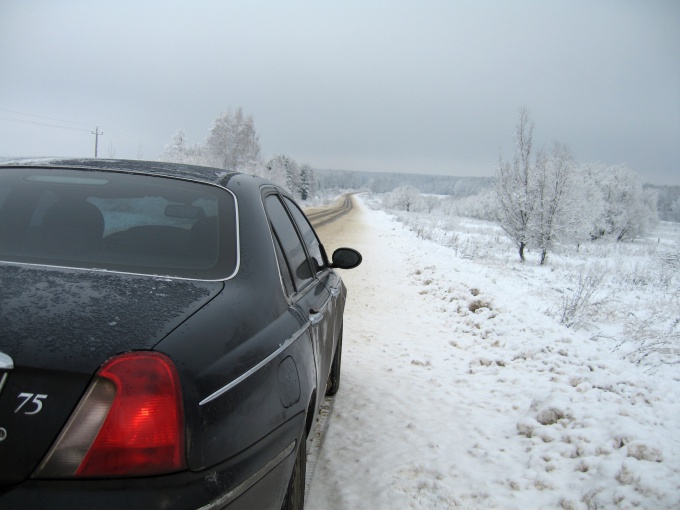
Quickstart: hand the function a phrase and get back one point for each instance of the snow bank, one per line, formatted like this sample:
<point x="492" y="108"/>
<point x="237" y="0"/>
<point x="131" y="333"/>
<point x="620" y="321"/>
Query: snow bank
<point x="457" y="392"/>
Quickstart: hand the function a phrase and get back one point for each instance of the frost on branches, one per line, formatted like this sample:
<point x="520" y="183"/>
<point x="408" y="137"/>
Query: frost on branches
<point x="628" y="210"/>
<point x="545" y="198"/>
<point x="403" y="198"/>
<point x="179" y="150"/>
<point x="233" y="144"/>
<point x="285" y="171"/>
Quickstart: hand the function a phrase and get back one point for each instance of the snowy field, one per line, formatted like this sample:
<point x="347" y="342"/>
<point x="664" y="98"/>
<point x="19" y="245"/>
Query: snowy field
<point x="461" y="388"/>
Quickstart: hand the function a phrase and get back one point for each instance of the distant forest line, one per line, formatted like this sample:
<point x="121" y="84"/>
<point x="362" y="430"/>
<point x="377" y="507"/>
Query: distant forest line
<point x="458" y="187"/>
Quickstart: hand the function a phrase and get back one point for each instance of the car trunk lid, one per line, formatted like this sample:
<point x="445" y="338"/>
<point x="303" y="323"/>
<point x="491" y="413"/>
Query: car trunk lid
<point x="56" y="329"/>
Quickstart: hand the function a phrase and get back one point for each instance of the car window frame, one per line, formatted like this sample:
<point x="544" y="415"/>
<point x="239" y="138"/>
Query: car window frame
<point x="221" y="270"/>
<point x="290" y="204"/>
<point x="281" y="257"/>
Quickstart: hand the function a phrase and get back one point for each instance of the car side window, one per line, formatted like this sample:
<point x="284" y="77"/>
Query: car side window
<point x="293" y="251"/>
<point x="286" y="277"/>
<point x="308" y="235"/>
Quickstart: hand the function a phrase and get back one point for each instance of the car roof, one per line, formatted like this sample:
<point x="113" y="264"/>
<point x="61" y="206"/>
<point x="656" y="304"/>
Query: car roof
<point x="177" y="170"/>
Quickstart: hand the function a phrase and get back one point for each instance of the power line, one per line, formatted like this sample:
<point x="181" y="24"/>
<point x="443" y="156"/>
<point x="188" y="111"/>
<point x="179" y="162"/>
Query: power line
<point x="26" y="121"/>
<point x="35" y="123"/>
<point x="43" y="117"/>
<point x="96" y="132"/>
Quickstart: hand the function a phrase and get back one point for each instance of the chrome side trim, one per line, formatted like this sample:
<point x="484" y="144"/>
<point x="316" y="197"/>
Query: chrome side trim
<point x="3" y="380"/>
<point x="6" y="363"/>
<point x="254" y="369"/>
<point x="251" y="480"/>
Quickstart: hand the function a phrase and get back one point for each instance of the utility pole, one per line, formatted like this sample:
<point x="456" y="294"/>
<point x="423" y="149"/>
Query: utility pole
<point x="96" y="134"/>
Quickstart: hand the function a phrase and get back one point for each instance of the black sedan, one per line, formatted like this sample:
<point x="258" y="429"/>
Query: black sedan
<point x="167" y="335"/>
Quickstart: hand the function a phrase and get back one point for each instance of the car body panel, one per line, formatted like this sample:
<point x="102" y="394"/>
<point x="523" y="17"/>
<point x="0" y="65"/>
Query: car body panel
<point x="225" y="485"/>
<point x="34" y="406"/>
<point x="79" y="319"/>
<point x="252" y="354"/>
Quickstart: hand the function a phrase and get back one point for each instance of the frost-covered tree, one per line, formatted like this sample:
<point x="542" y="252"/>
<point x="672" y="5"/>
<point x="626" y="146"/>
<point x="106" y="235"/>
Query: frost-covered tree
<point x="628" y="210"/>
<point x="427" y="203"/>
<point x="481" y="206"/>
<point x="233" y="143"/>
<point x="515" y="187"/>
<point x="675" y="209"/>
<point x="403" y="198"/>
<point x="586" y="204"/>
<point x="179" y="150"/>
<point x="307" y="181"/>
<point x="544" y="199"/>
<point x="555" y="213"/>
<point x="292" y="171"/>
<point x="176" y="150"/>
<point x="668" y="203"/>
<point x="284" y="171"/>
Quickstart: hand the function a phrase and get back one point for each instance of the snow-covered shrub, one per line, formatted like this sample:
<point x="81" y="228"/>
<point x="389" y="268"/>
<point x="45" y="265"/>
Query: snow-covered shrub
<point x="609" y="288"/>
<point x="578" y="306"/>
<point x="671" y="259"/>
<point x="480" y="206"/>
<point x="653" y="337"/>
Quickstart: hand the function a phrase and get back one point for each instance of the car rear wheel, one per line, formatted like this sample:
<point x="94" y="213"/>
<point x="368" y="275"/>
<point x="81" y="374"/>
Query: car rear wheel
<point x="295" y="495"/>
<point x="333" y="383"/>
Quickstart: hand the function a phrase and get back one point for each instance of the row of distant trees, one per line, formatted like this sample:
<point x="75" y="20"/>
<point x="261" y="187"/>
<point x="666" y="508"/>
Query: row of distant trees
<point x="543" y="198"/>
<point x="233" y="144"/>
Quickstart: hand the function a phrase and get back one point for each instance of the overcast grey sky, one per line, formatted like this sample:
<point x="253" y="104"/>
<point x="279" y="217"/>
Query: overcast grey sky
<point x="407" y="86"/>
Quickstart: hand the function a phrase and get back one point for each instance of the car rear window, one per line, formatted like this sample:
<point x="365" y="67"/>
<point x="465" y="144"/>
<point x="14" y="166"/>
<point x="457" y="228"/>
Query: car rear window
<point x="118" y="222"/>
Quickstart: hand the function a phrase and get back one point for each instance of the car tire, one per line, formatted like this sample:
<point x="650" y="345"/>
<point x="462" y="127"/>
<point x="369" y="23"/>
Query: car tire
<point x="295" y="495"/>
<point x="333" y="383"/>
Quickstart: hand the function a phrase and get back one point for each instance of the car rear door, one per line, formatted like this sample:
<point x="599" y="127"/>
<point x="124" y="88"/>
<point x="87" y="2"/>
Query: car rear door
<point x="304" y="284"/>
<point x="333" y="308"/>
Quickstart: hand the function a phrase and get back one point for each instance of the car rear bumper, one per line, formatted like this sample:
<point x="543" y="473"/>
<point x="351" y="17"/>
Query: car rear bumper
<point x="267" y="466"/>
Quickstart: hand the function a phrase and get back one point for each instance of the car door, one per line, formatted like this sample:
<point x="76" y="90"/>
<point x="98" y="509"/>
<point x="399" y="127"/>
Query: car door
<point x="332" y="315"/>
<point x="307" y="293"/>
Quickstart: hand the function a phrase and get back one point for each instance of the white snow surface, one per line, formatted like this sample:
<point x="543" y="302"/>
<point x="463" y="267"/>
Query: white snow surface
<point x="457" y="391"/>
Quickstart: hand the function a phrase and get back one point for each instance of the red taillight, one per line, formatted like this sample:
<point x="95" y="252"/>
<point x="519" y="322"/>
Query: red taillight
<point x="143" y="431"/>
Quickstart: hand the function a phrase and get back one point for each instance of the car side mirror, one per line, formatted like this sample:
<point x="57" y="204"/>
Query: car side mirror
<point x="346" y="258"/>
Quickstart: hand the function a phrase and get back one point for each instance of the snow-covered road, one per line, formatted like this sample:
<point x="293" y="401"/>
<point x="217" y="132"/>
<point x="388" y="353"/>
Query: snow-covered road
<point x="456" y="393"/>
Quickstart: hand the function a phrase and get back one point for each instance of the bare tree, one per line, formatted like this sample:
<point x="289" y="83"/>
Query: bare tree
<point x="554" y="212"/>
<point x="514" y="186"/>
